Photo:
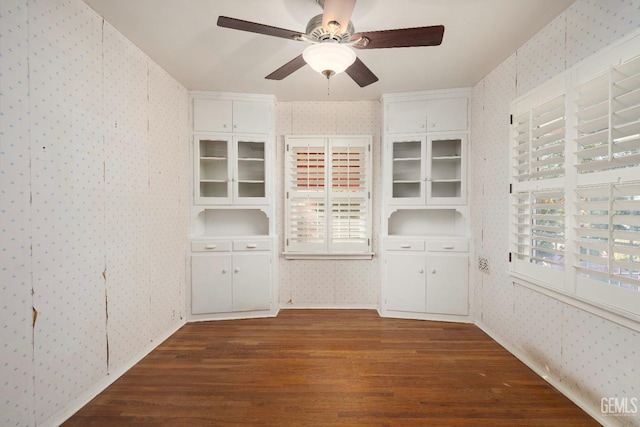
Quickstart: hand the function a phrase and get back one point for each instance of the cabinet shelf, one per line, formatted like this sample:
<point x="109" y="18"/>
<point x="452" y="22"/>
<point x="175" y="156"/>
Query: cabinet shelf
<point x="407" y="159"/>
<point x="445" y="180"/>
<point x="406" y="181"/>
<point x="251" y="159"/>
<point x="448" y="158"/>
<point x="213" y="158"/>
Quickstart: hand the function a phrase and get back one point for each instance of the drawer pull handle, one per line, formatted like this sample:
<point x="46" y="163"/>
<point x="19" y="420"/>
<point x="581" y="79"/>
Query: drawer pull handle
<point x="405" y="246"/>
<point x="448" y="247"/>
<point x="251" y="246"/>
<point x="211" y="246"/>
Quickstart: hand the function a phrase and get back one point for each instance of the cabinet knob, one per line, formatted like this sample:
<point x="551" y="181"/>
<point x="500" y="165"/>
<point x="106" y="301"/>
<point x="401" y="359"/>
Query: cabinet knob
<point x="433" y="271"/>
<point x="237" y="270"/>
<point x="432" y="125"/>
<point x="421" y="271"/>
<point x="224" y="271"/>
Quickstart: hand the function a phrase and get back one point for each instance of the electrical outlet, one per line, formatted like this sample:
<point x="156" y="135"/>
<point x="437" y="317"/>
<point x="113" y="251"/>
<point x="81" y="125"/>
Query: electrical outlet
<point x="483" y="264"/>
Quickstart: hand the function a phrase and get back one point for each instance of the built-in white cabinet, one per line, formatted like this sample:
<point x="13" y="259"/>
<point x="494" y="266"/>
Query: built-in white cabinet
<point x="231" y="276"/>
<point x="231" y="170"/>
<point x="425" y="216"/>
<point x="426" y="276"/>
<point x="426" y="115"/>
<point x="232" y="272"/>
<point x="427" y="169"/>
<point x="227" y="115"/>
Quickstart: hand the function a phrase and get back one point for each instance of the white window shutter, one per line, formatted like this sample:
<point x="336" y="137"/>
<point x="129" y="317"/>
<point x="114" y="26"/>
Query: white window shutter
<point x="328" y="195"/>
<point x="608" y="234"/>
<point x="538" y="228"/>
<point x="305" y="170"/>
<point x="608" y="113"/>
<point x="350" y="207"/>
<point x="539" y="139"/>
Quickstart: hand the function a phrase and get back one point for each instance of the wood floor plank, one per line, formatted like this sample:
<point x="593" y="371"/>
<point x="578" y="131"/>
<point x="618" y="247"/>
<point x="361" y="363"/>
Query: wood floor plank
<point x="330" y="368"/>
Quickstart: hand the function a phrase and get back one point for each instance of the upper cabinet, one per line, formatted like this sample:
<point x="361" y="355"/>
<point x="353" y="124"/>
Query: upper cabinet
<point x="232" y="148"/>
<point x="426" y="148"/>
<point x="224" y="115"/>
<point x="426" y="115"/>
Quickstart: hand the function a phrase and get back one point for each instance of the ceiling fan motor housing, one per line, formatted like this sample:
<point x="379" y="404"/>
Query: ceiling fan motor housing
<point x="317" y="32"/>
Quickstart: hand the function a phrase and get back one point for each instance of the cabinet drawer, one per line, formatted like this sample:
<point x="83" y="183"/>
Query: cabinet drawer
<point x="252" y="245"/>
<point x="405" y="245"/>
<point x="447" y="246"/>
<point x="211" y="246"/>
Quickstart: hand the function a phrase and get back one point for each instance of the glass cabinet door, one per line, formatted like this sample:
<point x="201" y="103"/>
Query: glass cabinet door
<point x="446" y="170"/>
<point x="407" y="171"/>
<point x="250" y="180"/>
<point x="213" y="171"/>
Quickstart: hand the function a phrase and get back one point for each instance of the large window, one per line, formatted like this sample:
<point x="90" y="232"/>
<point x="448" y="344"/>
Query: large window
<point x="575" y="181"/>
<point x="328" y="196"/>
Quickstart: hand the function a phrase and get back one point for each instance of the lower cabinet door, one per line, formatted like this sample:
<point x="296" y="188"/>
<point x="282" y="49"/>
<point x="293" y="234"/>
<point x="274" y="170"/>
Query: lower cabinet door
<point x="251" y="281"/>
<point x="211" y="283"/>
<point x="405" y="282"/>
<point x="447" y="284"/>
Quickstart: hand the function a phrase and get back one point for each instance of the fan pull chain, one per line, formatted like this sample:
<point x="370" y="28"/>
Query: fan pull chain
<point x="328" y="87"/>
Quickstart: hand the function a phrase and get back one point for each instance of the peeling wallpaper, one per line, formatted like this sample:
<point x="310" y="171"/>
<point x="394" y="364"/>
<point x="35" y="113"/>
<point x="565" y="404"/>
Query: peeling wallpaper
<point x="589" y="356"/>
<point x="94" y="169"/>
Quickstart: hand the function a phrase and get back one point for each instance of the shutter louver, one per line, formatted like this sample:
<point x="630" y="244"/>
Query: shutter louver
<point x="608" y="234"/>
<point x="608" y="112"/>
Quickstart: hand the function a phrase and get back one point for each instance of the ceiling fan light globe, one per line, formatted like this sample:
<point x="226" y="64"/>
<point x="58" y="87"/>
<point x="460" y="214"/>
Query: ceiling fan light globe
<point x="329" y="57"/>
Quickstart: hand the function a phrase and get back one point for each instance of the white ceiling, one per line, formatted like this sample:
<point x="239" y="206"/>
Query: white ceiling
<point x="183" y="38"/>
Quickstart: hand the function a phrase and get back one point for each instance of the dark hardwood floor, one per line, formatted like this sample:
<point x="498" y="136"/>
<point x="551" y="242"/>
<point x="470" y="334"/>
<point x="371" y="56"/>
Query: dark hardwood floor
<point x="330" y="368"/>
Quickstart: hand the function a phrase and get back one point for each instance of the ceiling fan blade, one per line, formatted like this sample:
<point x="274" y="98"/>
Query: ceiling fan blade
<point x="294" y="65"/>
<point x="253" y="27"/>
<point x="361" y="74"/>
<point x="404" y="37"/>
<point x="339" y="11"/>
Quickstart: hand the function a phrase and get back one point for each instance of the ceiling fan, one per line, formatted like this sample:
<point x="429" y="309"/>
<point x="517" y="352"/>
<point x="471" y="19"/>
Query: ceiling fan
<point x="332" y="36"/>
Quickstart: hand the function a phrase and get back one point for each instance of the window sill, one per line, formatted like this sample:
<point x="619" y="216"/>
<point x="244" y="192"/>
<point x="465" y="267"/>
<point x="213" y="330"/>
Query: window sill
<point x="336" y="256"/>
<point x="613" y="314"/>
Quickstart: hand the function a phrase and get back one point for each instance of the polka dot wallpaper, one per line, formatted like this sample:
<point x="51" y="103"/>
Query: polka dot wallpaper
<point x="94" y="168"/>
<point x="590" y="356"/>
<point x="94" y="188"/>
<point x="16" y="333"/>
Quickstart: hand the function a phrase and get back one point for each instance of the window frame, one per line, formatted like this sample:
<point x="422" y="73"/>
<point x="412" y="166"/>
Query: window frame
<point x="593" y="185"/>
<point x="346" y="241"/>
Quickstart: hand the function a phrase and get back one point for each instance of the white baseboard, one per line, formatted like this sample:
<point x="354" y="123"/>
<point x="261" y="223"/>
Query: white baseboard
<point x="287" y="306"/>
<point x="77" y="404"/>
<point x="554" y="382"/>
